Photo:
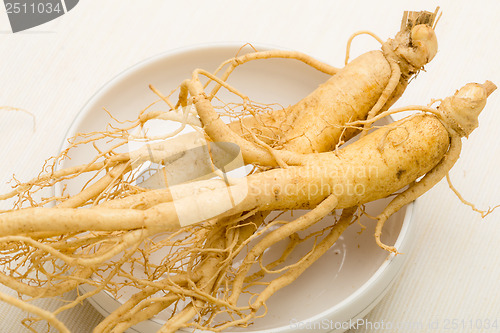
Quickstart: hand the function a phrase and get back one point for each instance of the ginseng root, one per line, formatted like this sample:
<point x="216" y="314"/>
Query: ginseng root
<point x="322" y="183"/>
<point x="205" y="223"/>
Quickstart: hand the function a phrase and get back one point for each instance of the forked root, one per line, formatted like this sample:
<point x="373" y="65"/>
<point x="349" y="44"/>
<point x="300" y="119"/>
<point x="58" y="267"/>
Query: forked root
<point x="303" y="222"/>
<point x="123" y="225"/>
<point x="483" y="213"/>
<point x="293" y="273"/>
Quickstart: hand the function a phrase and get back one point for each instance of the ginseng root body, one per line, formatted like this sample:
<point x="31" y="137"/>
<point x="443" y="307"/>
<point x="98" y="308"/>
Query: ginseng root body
<point x="392" y="157"/>
<point x="299" y="163"/>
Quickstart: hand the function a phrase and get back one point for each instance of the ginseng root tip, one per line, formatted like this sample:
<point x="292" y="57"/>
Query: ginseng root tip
<point x="490" y="87"/>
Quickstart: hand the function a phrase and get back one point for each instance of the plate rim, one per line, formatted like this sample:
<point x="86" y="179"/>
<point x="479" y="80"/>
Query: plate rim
<point x="391" y="267"/>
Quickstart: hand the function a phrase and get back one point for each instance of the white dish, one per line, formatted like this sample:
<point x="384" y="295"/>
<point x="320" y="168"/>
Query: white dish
<point x="348" y="281"/>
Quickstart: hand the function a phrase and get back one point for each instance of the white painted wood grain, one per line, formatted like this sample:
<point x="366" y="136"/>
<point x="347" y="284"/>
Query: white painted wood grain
<point x="453" y="271"/>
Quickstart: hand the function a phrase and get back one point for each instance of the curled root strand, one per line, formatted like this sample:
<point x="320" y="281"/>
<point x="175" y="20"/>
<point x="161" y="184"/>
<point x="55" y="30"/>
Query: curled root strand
<point x="483" y="213"/>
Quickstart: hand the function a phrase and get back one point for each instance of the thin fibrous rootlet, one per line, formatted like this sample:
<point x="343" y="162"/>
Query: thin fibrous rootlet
<point x="107" y="234"/>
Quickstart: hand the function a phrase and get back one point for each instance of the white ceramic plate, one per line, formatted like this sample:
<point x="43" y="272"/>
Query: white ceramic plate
<point x="349" y="280"/>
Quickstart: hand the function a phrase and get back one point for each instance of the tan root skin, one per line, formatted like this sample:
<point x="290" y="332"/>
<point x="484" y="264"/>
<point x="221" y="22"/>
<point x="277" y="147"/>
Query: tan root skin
<point x="395" y="150"/>
<point x="423" y="142"/>
<point x="125" y="218"/>
<point x="461" y="111"/>
<point x="348" y="96"/>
